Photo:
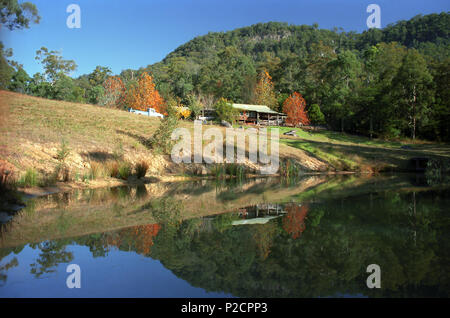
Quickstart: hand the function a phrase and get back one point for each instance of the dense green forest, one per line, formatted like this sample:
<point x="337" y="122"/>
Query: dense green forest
<point x="390" y="82"/>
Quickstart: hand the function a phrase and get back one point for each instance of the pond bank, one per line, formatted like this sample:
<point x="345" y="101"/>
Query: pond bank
<point x="112" y="182"/>
<point x="85" y="211"/>
<point x="15" y="200"/>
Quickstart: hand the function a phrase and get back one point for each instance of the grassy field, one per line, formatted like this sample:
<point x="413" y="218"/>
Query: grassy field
<point x="42" y="121"/>
<point x="356" y="153"/>
<point x="33" y="131"/>
<point x="36" y="128"/>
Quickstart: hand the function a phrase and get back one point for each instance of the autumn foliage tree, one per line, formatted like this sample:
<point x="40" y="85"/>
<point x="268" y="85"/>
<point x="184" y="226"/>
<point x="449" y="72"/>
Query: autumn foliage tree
<point x="294" y="107"/>
<point x="264" y="93"/>
<point x="142" y="237"/>
<point x="144" y="95"/>
<point x="294" y="221"/>
<point x="114" y="92"/>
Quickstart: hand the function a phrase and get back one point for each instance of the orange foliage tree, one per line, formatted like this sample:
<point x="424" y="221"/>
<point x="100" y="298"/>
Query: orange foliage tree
<point x="144" y="235"/>
<point x="294" y="108"/>
<point x="141" y="235"/>
<point x="264" y="93"/>
<point x="144" y="95"/>
<point x="294" y="221"/>
<point x="114" y="92"/>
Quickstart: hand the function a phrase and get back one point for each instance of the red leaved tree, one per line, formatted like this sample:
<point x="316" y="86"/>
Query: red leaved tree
<point x="294" y="107"/>
<point x="294" y="221"/>
<point x="144" y="95"/>
<point x="141" y="236"/>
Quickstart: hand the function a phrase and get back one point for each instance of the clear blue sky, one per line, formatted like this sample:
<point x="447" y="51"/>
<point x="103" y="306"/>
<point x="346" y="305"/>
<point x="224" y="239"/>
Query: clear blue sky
<point x="134" y="33"/>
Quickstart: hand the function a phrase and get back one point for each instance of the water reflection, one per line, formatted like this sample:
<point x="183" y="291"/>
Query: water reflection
<point x="312" y="243"/>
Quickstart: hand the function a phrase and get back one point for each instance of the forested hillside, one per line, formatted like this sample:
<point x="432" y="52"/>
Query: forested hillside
<point x="390" y="82"/>
<point x="359" y="82"/>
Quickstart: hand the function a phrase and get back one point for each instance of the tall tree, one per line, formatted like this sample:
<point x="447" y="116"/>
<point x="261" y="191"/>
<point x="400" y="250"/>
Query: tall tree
<point x="64" y="88"/>
<point x="264" y="91"/>
<point x="295" y="109"/>
<point x="99" y="75"/>
<point x="413" y="89"/>
<point x="144" y="95"/>
<point x="114" y="92"/>
<point x="294" y="221"/>
<point x="341" y="79"/>
<point x="441" y="107"/>
<point x="386" y="63"/>
<point x="231" y="75"/>
<point x="20" y="81"/>
<point x="15" y="15"/>
<point x="40" y="87"/>
<point x="6" y="70"/>
<point x="312" y="77"/>
<point x="54" y="64"/>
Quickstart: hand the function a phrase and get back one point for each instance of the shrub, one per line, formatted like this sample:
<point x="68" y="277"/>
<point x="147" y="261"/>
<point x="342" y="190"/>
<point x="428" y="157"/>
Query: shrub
<point x="315" y="115"/>
<point x="51" y="179"/>
<point x="225" y="111"/>
<point x="289" y="168"/>
<point x="124" y="170"/>
<point x="61" y="173"/>
<point x="195" y="106"/>
<point x="7" y="179"/>
<point x="161" y="140"/>
<point x="63" y="151"/>
<point x="218" y="171"/>
<point x="183" y="112"/>
<point x="236" y="170"/>
<point x="141" y="169"/>
<point x="96" y="170"/>
<point x="113" y="169"/>
<point x="30" y="179"/>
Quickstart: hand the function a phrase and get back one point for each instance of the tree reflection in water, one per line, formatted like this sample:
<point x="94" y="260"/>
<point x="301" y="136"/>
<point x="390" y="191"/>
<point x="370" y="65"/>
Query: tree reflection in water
<point x="320" y="248"/>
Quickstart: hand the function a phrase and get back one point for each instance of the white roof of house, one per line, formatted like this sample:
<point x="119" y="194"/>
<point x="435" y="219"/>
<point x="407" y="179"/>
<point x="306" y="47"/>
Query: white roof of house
<point x="255" y="108"/>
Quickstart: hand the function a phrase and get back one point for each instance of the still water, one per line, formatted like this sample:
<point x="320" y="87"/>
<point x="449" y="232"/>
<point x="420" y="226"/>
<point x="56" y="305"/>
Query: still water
<point x="312" y="237"/>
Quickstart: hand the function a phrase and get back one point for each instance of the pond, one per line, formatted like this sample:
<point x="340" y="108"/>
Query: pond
<point x="311" y="237"/>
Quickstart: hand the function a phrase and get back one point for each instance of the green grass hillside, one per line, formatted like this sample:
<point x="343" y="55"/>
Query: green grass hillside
<point x="33" y="132"/>
<point x="349" y="152"/>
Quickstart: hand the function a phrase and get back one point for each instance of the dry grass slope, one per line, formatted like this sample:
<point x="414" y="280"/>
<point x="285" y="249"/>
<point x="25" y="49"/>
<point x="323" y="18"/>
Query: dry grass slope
<point x="35" y="128"/>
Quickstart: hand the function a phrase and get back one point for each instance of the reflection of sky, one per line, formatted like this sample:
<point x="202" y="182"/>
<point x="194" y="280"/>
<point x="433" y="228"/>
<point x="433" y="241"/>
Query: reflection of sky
<point x="119" y="274"/>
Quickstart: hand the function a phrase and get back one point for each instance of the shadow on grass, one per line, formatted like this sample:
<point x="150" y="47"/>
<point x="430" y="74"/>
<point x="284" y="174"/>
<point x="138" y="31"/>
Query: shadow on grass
<point x="142" y="140"/>
<point x="98" y="156"/>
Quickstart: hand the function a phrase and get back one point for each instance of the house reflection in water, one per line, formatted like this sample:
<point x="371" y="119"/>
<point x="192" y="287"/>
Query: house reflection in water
<point x="259" y="214"/>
